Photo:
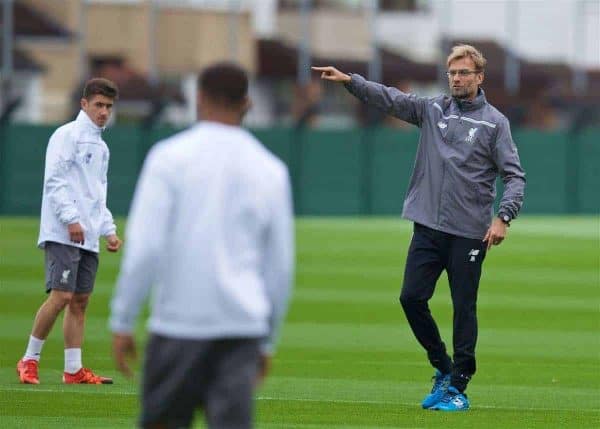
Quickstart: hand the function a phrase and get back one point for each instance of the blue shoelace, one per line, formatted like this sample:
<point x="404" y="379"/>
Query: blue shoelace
<point x="438" y="382"/>
<point x="451" y="395"/>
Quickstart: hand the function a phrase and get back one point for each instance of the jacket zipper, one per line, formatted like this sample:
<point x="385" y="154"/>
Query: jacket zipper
<point x="441" y="191"/>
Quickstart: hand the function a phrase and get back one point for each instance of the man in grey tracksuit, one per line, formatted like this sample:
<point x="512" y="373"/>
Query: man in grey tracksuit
<point x="465" y="144"/>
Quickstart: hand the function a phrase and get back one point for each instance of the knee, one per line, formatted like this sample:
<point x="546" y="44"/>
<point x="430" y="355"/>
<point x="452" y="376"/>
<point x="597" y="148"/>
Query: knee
<point x="410" y="301"/>
<point x="79" y="303"/>
<point x="465" y="308"/>
<point x="59" y="300"/>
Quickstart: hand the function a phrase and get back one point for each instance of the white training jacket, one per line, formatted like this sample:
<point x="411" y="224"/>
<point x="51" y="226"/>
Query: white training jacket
<point x="75" y="185"/>
<point x="211" y="228"/>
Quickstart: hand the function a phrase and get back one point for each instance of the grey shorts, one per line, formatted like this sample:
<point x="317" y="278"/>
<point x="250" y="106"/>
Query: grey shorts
<point x="217" y="376"/>
<point x="70" y="268"/>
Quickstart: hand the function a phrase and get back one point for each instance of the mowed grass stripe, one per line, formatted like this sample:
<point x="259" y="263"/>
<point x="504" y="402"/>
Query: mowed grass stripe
<point x="537" y="275"/>
<point x="383" y="399"/>
<point x="324" y="293"/>
<point x="383" y="336"/>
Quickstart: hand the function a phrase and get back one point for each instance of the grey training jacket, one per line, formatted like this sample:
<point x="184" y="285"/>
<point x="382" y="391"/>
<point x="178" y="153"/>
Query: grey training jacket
<point x="463" y="147"/>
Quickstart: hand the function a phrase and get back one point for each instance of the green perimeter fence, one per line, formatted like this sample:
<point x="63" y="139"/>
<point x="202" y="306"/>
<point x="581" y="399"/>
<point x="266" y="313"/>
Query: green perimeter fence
<point x="334" y="172"/>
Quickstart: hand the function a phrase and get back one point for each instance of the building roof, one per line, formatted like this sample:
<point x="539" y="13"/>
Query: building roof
<point x="279" y="60"/>
<point x="32" y="23"/>
<point x="133" y="86"/>
<point x="22" y="61"/>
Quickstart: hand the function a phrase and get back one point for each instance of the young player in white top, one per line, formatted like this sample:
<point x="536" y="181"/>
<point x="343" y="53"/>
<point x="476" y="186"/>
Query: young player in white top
<point x="74" y="216"/>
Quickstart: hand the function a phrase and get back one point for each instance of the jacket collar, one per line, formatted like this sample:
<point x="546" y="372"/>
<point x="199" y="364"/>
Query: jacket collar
<point x="477" y="102"/>
<point x="84" y="120"/>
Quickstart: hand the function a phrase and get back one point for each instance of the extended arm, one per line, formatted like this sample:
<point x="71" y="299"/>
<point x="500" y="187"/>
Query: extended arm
<point x="392" y="101"/>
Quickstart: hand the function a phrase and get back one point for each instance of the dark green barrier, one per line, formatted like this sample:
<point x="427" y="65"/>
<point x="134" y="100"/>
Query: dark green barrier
<point x="334" y="172"/>
<point x="543" y="157"/>
<point x="393" y="160"/>
<point x="22" y="154"/>
<point x="586" y="172"/>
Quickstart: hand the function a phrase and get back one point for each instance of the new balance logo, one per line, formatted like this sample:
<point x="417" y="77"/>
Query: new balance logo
<point x="65" y="277"/>
<point x="458" y="402"/>
<point x="472" y="254"/>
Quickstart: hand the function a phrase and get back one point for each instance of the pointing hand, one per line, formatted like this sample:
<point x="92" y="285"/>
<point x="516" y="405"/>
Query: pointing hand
<point x="333" y="74"/>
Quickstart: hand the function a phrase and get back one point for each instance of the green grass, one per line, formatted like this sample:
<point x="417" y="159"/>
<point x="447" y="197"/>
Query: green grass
<point x="347" y="358"/>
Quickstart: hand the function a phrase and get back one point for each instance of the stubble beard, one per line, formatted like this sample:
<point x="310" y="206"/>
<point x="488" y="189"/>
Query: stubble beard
<point x="461" y="93"/>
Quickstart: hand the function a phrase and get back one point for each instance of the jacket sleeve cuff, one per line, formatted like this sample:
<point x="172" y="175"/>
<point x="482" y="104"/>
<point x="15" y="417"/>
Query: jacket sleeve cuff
<point x="70" y="218"/>
<point x="110" y="231"/>
<point x="354" y="79"/>
<point x="504" y="212"/>
<point x="120" y="327"/>
<point x="266" y="346"/>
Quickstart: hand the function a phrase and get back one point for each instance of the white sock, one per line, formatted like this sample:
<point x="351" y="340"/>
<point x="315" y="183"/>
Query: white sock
<point x="72" y="360"/>
<point x="34" y="348"/>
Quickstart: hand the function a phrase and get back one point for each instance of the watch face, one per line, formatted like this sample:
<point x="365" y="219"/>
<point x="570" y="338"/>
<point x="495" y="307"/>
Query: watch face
<point x="505" y="218"/>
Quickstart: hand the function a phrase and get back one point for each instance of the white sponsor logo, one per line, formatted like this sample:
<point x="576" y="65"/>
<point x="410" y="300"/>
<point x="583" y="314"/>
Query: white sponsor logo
<point x="458" y="402"/>
<point x="65" y="277"/>
<point x="442" y="125"/>
<point x="472" y="254"/>
<point x="471" y="135"/>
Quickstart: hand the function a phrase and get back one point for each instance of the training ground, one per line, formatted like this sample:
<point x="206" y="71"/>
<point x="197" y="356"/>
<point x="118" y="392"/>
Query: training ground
<point x="347" y="358"/>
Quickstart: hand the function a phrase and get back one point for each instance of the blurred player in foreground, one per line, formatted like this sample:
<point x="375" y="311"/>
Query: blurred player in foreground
<point x="211" y="228"/>
<point x="465" y="143"/>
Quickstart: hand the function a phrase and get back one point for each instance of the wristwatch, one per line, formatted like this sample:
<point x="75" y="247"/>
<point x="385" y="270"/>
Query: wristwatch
<point x="504" y="218"/>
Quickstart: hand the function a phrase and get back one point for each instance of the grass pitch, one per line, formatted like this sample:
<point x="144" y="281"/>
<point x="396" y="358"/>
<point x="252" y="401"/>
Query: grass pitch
<point x="347" y="358"/>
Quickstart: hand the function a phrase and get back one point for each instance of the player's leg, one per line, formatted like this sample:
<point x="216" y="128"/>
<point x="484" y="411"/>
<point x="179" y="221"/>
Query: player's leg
<point x="73" y="326"/>
<point x="74" y="323"/>
<point x="74" y="320"/>
<point x="62" y="266"/>
<point x="464" y="271"/>
<point x="48" y="312"/>
<point x="424" y="264"/>
<point x="175" y="376"/>
<point x="229" y="398"/>
<point x="61" y="263"/>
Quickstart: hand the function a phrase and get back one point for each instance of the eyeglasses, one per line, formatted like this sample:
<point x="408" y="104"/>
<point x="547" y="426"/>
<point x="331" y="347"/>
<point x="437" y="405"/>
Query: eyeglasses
<point x="461" y="73"/>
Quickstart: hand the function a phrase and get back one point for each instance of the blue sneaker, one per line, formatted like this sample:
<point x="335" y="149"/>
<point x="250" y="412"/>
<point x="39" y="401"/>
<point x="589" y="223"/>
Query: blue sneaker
<point x="453" y="400"/>
<point x="439" y="389"/>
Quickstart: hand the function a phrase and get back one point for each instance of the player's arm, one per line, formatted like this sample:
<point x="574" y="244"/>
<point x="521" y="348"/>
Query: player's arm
<point x="278" y="263"/>
<point x="108" y="229"/>
<point x="60" y="158"/>
<point x="506" y="159"/>
<point x="147" y="230"/>
<point x="509" y="167"/>
<point x="390" y="100"/>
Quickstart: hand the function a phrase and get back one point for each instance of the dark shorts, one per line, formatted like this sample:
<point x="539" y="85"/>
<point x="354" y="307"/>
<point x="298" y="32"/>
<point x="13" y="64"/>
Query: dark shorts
<point x="181" y="376"/>
<point x="69" y="268"/>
